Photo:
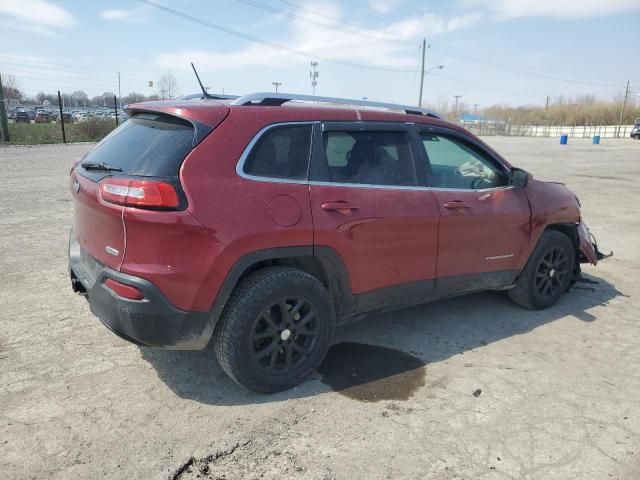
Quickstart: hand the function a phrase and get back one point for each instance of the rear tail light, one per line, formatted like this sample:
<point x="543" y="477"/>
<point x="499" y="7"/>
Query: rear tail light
<point x="125" y="291"/>
<point x="132" y="192"/>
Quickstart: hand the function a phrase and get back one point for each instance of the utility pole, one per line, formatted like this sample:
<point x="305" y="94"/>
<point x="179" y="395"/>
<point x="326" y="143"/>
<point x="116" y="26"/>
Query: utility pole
<point x="547" y="105"/>
<point x="119" y="93"/>
<point x="424" y="52"/>
<point x="457" y="97"/>
<point x="314" y="76"/>
<point x="4" y="124"/>
<point x="276" y="84"/>
<point x="624" y="107"/>
<point x="475" y="107"/>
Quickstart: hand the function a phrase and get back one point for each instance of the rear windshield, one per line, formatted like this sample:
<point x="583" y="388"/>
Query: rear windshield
<point x="148" y="144"/>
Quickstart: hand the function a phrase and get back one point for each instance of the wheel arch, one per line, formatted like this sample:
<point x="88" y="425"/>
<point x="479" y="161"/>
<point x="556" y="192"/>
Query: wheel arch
<point x="323" y="263"/>
<point x="568" y="229"/>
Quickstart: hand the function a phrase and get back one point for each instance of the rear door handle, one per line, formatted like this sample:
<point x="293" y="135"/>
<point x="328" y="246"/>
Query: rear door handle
<point x="338" y="206"/>
<point x="456" y="204"/>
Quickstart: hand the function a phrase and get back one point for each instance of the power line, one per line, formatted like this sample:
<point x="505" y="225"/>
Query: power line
<point x="527" y="70"/>
<point x="342" y="21"/>
<point x="531" y="73"/>
<point x="355" y="29"/>
<point x="501" y="90"/>
<point x="273" y="45"/>
<point x="46" y="75"/>
<point x="60" y="82"/>
<point x="44" y="64"/>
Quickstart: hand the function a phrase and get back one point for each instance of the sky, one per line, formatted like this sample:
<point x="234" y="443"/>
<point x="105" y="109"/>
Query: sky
<point x="492" y="51"/>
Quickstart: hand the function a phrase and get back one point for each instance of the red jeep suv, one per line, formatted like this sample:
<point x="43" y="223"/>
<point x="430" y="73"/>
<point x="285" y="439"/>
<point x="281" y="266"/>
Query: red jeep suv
<point x="259" y="224"/>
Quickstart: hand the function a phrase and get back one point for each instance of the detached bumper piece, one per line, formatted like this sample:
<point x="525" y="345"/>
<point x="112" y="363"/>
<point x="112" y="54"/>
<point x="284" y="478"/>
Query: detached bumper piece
<point x="589" y="252"/>
<point x="599" y="254"/>
<point x="143" y="315"/>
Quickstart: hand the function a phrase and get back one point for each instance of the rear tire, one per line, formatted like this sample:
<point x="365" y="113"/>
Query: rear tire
<point x="548" y="272"/>
<point x="275" y="329"/>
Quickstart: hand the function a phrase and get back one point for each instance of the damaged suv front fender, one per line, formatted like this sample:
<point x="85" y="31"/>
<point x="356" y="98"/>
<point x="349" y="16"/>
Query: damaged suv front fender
<point x="587" y="248"/>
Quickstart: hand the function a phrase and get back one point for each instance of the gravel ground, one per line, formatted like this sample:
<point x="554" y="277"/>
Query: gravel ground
<point x="473" y="387"/>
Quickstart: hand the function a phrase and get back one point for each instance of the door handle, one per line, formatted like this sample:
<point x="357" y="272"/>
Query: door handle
<point x="338" y="206"/>
<point x="456" y="204"/>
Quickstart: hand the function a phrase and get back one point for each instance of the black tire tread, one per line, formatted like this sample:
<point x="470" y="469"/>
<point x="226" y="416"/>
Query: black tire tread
<point x="523" y="292"/>
<point x="254" y="286"/>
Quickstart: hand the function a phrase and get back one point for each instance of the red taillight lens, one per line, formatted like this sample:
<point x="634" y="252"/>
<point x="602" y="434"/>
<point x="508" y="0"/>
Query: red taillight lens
<point x="125" y="291"/>
<point x="132" y="192"/>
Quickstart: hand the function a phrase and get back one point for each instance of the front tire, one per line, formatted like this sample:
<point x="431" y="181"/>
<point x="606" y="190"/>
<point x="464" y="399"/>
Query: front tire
<point x="548" y="273"/>
<point x="275" y="329"/>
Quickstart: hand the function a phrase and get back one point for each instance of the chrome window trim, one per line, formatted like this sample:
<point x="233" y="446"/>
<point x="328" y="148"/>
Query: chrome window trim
<point x="247" y="151"/>
<point x="245" y="154"/>
<point x="406" y="187"/>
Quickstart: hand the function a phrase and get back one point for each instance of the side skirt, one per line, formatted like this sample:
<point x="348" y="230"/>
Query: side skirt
<point x="415" y="293"/>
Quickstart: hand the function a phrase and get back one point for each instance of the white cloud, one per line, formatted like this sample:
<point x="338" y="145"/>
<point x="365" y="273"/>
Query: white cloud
<point x="122" y="15"/>
<point x="37" y="13"/>
<point x="383" y="7"/>
<point x="388" y="46"/>
<point x="564" y="9"/>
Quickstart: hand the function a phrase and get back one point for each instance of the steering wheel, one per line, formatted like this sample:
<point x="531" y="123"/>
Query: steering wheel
<point x="479" y="183"/>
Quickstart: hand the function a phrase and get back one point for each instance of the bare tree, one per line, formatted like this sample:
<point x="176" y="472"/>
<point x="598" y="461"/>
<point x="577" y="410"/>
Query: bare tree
<point x="167" y="86"/>
<point x="10" y="88"/>
<point x="79" y="98"/>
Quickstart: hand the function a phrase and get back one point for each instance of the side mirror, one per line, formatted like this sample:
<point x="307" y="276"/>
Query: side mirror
<point x="519" y="178"/>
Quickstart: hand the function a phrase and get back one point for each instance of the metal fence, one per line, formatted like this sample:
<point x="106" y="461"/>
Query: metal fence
<point x="59" y="124"/>
<point x="579" y="131"/>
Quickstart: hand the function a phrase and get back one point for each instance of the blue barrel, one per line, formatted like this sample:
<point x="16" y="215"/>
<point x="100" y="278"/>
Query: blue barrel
<point x="596" y="139"/>
<point x="563" y="139"/>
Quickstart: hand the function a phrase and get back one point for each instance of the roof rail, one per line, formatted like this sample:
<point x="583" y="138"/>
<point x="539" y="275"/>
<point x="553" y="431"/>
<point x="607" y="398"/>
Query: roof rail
<point x="277" y="99"/>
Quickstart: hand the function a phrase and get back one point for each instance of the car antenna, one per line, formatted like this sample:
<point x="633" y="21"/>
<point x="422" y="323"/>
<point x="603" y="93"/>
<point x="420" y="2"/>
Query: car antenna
<point x="204" y="92"/>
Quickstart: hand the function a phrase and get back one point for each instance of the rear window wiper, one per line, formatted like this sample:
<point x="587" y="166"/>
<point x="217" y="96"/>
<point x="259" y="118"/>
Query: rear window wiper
<point x="99" y="166"/>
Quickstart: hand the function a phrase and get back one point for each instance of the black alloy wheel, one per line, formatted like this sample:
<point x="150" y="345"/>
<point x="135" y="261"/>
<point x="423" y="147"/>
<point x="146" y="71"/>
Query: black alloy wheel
<point x="275" y="329"/>
<point x="548" y="273"/>
<point x="284" y="335"/>
<point x="551" y="272"/>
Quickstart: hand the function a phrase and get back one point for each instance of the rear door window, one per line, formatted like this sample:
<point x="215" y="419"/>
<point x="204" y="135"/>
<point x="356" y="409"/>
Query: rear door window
<point x="369" y="157"/>
<point x="148" y="144"/>
<point x="282" y="152"/>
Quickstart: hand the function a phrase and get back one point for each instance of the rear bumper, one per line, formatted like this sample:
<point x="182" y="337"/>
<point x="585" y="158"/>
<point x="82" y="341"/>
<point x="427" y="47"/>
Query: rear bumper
<point x="153" y="321"/>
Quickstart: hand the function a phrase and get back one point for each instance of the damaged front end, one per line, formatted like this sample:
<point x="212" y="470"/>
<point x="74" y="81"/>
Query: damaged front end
<point x="589" y="252"/>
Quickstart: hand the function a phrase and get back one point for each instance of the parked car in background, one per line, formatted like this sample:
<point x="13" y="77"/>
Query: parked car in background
<point x="22" y="117"/>
<point x="67" y="117"/>
<point x="635" y="131"/>
<point x="42" y="117"/>
<point x="262" y="226"/>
